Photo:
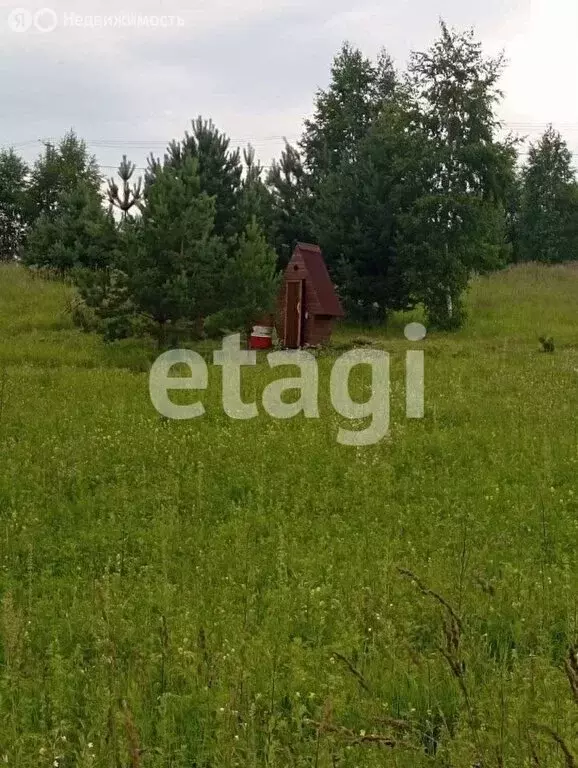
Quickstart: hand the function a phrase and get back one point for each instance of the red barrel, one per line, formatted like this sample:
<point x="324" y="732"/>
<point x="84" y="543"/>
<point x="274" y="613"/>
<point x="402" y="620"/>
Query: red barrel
<point x="261" y="337"/>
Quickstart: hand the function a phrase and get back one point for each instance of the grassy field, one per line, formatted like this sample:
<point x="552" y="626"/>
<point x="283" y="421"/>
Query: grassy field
<point x="212" y="594"/>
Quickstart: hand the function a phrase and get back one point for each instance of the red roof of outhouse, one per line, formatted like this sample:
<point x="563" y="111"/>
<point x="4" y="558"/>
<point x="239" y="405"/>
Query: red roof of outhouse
<point x="320" y="280"/>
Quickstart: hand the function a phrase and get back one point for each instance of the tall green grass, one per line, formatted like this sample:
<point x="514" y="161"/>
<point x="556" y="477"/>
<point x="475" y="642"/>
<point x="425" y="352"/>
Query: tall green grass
<point x="218" y="593"/>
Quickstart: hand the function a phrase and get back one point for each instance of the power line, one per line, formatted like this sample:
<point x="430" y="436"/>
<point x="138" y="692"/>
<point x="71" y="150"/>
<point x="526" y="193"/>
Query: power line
<point x="140" y="143"/>
<point x="530" y="124"/>
<point x="144" y="143"/>
<point x="140" y="168"/>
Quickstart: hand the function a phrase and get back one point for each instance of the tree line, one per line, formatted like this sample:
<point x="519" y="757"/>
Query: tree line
<point x="403" y="178"/>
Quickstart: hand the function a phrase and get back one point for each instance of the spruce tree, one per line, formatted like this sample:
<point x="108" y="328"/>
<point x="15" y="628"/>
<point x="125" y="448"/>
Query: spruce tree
<point x="358" y="91"/>
<point x="358" y="217"/>
<point x="314" y="187"/>
<point x="344" y="112"/>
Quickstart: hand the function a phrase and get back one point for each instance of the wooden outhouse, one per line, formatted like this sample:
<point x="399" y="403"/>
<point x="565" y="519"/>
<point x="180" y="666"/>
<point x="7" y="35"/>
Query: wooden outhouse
<point x="308" y="304"/>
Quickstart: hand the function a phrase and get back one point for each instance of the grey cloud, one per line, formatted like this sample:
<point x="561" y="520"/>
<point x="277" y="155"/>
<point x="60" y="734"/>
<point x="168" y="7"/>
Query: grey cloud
<point x="252" y="66"/>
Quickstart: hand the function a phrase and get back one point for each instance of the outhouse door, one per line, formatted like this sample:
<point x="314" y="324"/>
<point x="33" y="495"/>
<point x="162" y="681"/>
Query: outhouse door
<point x="294" y="314"/>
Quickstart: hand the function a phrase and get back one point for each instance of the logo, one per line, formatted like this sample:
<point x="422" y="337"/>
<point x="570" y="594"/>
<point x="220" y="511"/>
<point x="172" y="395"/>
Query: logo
<point x="47" y="20"/>
<point x="231" y="358"/>
<point x="44" y="20"/>
<point x="20" y="20"/>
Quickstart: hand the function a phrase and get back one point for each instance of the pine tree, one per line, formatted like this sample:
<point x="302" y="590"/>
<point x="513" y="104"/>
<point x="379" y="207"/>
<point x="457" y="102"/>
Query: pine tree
<point x="105" y="304"/>
<point x="79" y="233"/>
<point x="250" y="283"/>
<point x="131" y="194"/>
<point x="549" y="202"/>
<point x="255" y="200"/>
<point x="219" y="169"/>
<point x="174" y="273"/>
<point x="13" y="186"/>
<point x="173" y="260"/>
<point x="357" y="217"/>
<point x="291" y="203"/>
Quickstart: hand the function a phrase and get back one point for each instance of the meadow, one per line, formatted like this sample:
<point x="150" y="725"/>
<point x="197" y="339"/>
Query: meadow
<point x="214" y="594"/>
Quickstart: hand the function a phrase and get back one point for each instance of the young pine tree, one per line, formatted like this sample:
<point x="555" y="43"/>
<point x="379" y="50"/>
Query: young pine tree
<point x="129" y="195"/>
<point x="173" y="261"/>
<point x="250" y="283"/>
<point x="78" y="234"/>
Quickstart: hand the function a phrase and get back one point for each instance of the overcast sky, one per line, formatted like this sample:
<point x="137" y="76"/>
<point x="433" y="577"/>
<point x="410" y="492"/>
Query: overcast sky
<point x="250" y="65"/>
